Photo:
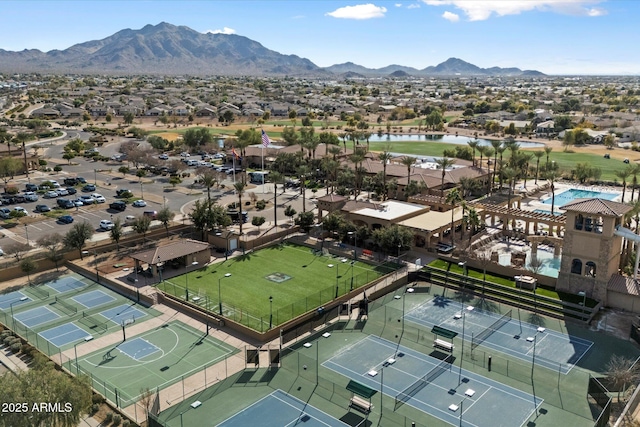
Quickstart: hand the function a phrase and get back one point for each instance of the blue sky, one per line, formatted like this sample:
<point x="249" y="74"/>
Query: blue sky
<point x="552" y="36"/>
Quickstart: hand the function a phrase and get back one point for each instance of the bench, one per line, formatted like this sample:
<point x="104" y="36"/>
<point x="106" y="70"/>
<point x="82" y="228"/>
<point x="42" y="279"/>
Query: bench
<point x="367" y="253"/>
<point x="442" y="344"/>
<point x="360" y="404"/>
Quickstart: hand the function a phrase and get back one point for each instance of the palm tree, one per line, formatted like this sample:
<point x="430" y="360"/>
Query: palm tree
<point x="538" y="155"/>
<point x="443" y="163"/>
<point x="482" y="149"/>
<point x="473" y="144"/>
<point x="624" y="175"/>
<point x="552" y="175"/>
<point x="474" y="222"/>
<point x="239" y="187"/>
<point x="408" y="161"/>
<point x="488" y="151"/>
<point x="635" y="170"/>
<point x="547" y="151"/>
<point x="334" y="151"/>
<point x="384" y="157"/>
<point x="303" y="173"/>
<point x="453" y="197"/>
<point x="497" y="147"/>
<point x="510" y="175"/>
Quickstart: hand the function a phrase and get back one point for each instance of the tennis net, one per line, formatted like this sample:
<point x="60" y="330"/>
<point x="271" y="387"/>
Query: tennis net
<point x="39" y="291"/>
<point x="414" y="388"/>
<point x="479" y="339"/>
<point x="93" y="322"/>
<point x="69" y="309"/>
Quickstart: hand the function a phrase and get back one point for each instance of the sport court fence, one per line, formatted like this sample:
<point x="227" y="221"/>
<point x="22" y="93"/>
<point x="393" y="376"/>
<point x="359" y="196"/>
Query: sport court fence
<point x="259" y="321"/>
<point x="562" y="391"/>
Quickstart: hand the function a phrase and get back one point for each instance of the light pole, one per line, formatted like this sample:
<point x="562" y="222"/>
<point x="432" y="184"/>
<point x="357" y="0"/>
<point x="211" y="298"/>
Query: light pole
<point x="141" y="191"/>
<point x="270" y="312"/>
<point x="219" y="294"/>
<point x="158" y="267"/>
<point x="583" y="294"/>
<point x="398" y="258"/>
<point x="95" y="177"/>
<point x="26" y="234"/>
<point x="355" y="244"/>
<point x="186" y="278"/>
<point x="13" y="321"/>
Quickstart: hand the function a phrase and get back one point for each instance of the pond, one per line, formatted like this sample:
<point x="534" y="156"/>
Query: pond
<point x="446" y="139"/>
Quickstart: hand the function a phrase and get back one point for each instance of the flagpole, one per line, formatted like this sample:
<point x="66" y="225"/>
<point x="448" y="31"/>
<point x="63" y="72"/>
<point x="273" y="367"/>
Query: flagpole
<point x="234" y="169"/>
<point x="263" y="180"/>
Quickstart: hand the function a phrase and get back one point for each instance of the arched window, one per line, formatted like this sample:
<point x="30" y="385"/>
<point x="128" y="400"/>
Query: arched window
<point x="576" y="266"/>
<point x="579" y="222"/>
<point x="590" y="269"/>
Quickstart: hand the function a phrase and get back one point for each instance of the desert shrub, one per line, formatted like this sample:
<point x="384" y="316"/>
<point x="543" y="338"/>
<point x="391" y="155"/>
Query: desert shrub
<point x="261" y="204"/>
<point x="15" y="347"/>
<point x="108" y="418"/>
<point x="96" y="398"/>
<point x="117" y="419"/>
<point x="95" y="408"/>
<point x="57" y="168"/>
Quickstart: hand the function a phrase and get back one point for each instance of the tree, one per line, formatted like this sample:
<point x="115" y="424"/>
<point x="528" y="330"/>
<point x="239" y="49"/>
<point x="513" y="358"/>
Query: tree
<point x="124" y="170"/>
<point x="289" y="212"/>
<point x="207" y="216"/>
<point x="474" y="222"/>
<point x="453" y="197"/>
<point x="9" y="166"/>
<point x="568" y="140"/>
<point x="408" y="161"/>
<point x="258" y="221"/>
<point x="28" y="266"/>
<point x="538" y="155"/>
<point x="305" y="221"/>
<point x="128" y="118"/>
<point x="208" y="177"/>
<point x="116" y="233"/>
<point x="473" y="144"/>
<point x="393" y="239"/>
<point x="68" y="156"/>
<point x="165" y="216"/>
<point x="77" y="237"/>
<point x="239" y="187"/>
<point x="443" y="163"/>
<point x="552" y="176"/>
<point x="624" y="175"/>
<point x="141" y="225"/>
<point x="174" y="180"/>
<point x="42" y="382"/>
<point x="622" y="372"/>
<point x="384" y="157"/>
<point x="53" y="244"/>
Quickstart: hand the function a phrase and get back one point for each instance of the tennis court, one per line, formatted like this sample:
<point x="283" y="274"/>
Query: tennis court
<point x="280" y="409"/>
<point x="93" y="299"/>
<point x="156" y="358"/>
<point x="36" y="316"/>
<point x="13" y="299"/>
<point x="66" y="284"/>
<point x="433" y="386"/>
<point x="123" y="312"/>
<point x="504" y="333"/>
<point x="64" y="334"/>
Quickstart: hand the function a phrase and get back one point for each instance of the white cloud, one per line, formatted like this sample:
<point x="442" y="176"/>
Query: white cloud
<point x="361" y="11"/>
<point x="398" y="5"/>
<point x="450" y="16"/>
<point x="414" y="6"/>
<point x="480" y="10"/>
<point x="225" y="30"/>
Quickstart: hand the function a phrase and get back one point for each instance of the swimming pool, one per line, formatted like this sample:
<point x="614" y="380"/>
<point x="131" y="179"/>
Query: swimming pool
<point x="549" y="263"/>
<point x="573" y="194"/>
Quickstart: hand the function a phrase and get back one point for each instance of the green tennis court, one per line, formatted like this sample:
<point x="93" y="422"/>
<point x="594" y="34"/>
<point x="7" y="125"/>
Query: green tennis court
<point x="156" y="358"/>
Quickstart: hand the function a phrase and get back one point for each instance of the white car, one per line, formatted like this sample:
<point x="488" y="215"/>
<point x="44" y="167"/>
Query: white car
<point x="163" y="157"/>
<point x="185" y="154"/>
<point x="99" y="198"/>
<point x="21" y="209"/>
<point x="62" y="192"/>
<point x="105" y="224"/>
<point x="50" y="194"/>
<point x="139" y="204"/>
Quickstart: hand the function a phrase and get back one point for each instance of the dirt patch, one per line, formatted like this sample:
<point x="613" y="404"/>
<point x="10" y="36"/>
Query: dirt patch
<point x="169" y="136"/>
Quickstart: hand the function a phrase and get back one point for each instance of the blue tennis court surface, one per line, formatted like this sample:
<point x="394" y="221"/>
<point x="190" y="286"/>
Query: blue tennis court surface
<point x="123" y="312"/>
<point x="554" y="350"/>
<point x="66" y="284"/>
<point x="64" y="334"/>
<point x="452" y="395"/>
<point x="281" y="409"/>
<point x="93" y="299"/>
<point x="36" y="316"/>
<point x="138" y="349"/>
<point x="15" y="298"/>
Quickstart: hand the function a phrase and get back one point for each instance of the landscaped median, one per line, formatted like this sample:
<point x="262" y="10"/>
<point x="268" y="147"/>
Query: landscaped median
<point x="271" y="286"/>
<point x="544" y="300"/>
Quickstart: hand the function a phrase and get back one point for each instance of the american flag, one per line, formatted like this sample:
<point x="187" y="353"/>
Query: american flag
<point x="265" y="139"/>
<point x="235" y="154"/>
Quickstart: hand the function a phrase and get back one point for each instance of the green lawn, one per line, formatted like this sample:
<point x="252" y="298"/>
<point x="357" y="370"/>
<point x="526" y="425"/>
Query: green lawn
<point x="309" y="284"/>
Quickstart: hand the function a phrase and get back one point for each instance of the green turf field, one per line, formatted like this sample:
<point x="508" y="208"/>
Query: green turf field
<point x="156" y="358"/>
<point x="296" y="278"/>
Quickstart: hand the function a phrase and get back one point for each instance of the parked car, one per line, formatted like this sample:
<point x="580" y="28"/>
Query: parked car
<point x="87" y="199"/>
<point x="51" y="194"/>
<point x="19" y="198"/>
<point x="54" y="184"/>
<point x="139" y="204"/>
<point x="43" y="208"/>
<point x="30" y="196"/>
<point x="62" y="192"/>
<point x="88" y="188"/>
<point x="20" y="209"/>
<point x="6" y="199"/>
<point x="70" y="181"/>
<point x="99" y="198"/>
<point x="5" y="213"/>
<point x="163" y="157"/>
<point x="150" y="214"/>
<point x="185" y="154"/>
<point x="65" y="219"/>
<point x="81" y="180"/>
<point x="65" y="203"/>
<point x="71" y="190"/>
<point x="121" y="191"/>
<point x="118" y="205"/>
<point x="78" y="202"/>
<point x="107" y="225"/>
<point x="31" y="187"/>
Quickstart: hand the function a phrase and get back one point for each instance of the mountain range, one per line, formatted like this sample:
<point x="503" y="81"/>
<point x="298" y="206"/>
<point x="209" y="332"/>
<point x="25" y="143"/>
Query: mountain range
<point x="168" y="49"/>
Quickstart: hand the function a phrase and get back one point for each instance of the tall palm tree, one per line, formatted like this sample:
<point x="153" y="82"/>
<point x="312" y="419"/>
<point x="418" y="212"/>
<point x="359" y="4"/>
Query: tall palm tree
<point x="509" y="174"/>
<point x="303" y="173"/>
<point x="453" y="197"/>
<point x="482" y="149"/>
<point x="547" y="151"/>
<point x="408" y="161"/>
<point x="624" y="175"/>
<point x="444" y="163"/>
<point x="488" y="151"/>
<point x="474" y="222"/>
<point x="538" y="155"/>
<point x="239" y="187"/>
<point x="473" y="144"/>
<point x="384" y="157"/>
<point x="635" y="170"/>
<point x="497" y="146"/>
<point x="552" y="176"/>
